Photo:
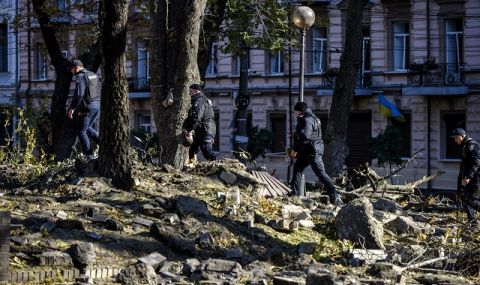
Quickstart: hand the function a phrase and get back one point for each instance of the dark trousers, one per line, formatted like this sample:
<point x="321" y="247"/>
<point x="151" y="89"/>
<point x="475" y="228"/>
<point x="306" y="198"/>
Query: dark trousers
<point x="86" y="130"/>
<point x="205" y="144"/>
<point x="471" y="202"/>
<point x="298" y="179"/>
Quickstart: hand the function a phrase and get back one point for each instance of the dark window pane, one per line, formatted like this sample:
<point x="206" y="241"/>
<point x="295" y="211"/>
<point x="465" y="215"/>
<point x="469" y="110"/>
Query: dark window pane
<point x="406" y="133"/>
<point x="278" y="123"/>
<point x="451" y="122"/>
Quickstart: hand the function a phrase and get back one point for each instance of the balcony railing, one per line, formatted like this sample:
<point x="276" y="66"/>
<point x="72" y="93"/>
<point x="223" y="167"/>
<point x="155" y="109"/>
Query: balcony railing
<point x="436" y="75"/>
<point x="139" y="84"/>
<point x="364" y="80"/>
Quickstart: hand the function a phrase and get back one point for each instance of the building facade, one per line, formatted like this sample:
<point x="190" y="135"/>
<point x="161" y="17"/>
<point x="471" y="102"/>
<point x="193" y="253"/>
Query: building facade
<point x="422" y="55"/>
<point x="8" y="67"/>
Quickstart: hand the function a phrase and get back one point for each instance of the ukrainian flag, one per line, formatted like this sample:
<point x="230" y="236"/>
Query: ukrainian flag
<point x="389" y="109"/>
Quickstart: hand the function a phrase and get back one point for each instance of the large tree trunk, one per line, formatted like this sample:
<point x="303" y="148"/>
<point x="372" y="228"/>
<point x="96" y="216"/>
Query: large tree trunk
<point x="114" y="161"/>
<point x="63" y="130"/>
<point x="336" y="150"/>
<point x="173" y="68"/>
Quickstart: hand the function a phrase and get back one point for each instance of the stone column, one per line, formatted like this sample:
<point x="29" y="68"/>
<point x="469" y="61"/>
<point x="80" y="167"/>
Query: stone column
<point x="4" y="246"/>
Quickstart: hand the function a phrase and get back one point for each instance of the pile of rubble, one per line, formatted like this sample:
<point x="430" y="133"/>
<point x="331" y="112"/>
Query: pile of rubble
<point x="213" y="226"/>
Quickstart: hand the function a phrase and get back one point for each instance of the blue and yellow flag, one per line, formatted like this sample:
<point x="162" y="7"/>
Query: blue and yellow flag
<point x="389" y="109"/>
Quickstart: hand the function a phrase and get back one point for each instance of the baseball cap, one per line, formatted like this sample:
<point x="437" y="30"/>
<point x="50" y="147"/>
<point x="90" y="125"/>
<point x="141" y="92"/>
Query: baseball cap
<point x="77" y="62"/>
<point x="195" y="86"/>
<point x="458" y="132"/>
<point x="301" y="107"/>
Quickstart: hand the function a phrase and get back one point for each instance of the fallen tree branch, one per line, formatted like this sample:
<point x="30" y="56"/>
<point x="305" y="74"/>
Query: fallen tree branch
<point x="427" y="262"/>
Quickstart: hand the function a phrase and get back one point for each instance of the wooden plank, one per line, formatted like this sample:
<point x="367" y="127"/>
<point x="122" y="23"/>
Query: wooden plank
<point x="280" y="186"/>
<point x="271" y="183"/>
<point x="271" y="192"/>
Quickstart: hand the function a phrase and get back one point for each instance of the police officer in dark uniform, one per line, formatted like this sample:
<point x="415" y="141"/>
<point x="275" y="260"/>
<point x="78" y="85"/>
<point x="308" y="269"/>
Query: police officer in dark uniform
<point x="468" y="182"/>
<point x="308" y="150"/>
<point x="200" y="123"/>
<point x="86" y="105"/>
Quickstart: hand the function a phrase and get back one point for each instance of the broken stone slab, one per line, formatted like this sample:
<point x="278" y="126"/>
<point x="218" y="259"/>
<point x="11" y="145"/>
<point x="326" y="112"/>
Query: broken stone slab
<point x="94" y="235"/>
<point x="384" y="270"/>
<point x="83" y="254"/>
<point x="187" y="205"/>
<point x="228" y="177"/>
<point x="291" y="211"/>
<point x="288" y="280"/>
<point x="355" y="222"/>
<point x="98" y="218"/>
<point x="283" y="225"/>
<point x="326" y="215"/>
<point x="190" y="266"/>
<point x="143" y="222"/>
<point x="387" y="205"/>
<point x="221" y="197"/>
<point x="233" y="253"/>
<point x="139" y="273"/>
<point x="169" y="235"/>
<point x="171" y="270"/>
<point x="221" y="269"/>
<point x="113" y="225"/>
<point x="384" y="217"/>
<point x="58" y="258"/>
<point x="306" y="248"/>
<point x="151" y="210"/>
<point x="257" y="282"/>
<point x="171" y="218"/>
<point x="319" y="277"/>
<point x="62" y="215"/>
<point x="206" y="240"/>
<point x="309" y="203"/>
<point x="368" y="256"/>
<point x="28" y="238"/>
<point x="154" y="259"/>
<point x="430" y="278"/>
<point x="70" y="224"/>
<point x="48" y="226"/>
<point x="233" y="196"/>
<point x="402" y="225"/>
<point x="308" y="224"/>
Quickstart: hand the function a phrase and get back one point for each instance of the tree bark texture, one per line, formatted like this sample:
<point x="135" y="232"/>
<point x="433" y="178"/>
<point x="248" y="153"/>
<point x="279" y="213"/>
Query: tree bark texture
<point x="175" y="32"/>
<point x="114" y="160"/>
<point x="63" y="130"/>
<point x="336" y="150"/>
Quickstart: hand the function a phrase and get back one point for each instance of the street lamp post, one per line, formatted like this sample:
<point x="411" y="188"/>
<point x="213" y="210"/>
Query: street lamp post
<point x="303" y="17"/>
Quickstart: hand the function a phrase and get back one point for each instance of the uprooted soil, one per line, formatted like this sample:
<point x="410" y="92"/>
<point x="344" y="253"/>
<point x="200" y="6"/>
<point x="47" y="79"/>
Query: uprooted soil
<point x="73" y="192"/>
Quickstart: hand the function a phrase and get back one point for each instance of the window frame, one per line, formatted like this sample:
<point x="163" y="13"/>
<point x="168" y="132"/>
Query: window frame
<point x="3" y="48"/>
<point x="212" y="68"/>
<point x="140" y="124"/>
<point x="405" y="47"/>
<point x="142" y="48"/>
<point x="41" y="69"/>
<point x="453" y="66"/>
<point x="277" y="63"/>
<point x="321" y="65"/>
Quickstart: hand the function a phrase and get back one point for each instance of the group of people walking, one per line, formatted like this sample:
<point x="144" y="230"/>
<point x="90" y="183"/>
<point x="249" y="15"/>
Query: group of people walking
<point x="307" y="149"/>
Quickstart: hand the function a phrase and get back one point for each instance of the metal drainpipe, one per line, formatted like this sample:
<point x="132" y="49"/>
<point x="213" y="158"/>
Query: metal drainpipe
<point x="17" y="83"/>
<point x="29" y="62"/>
<point x="290" y="119"/>
<point x="428" y="29"/>
<point x="429" y="111"/>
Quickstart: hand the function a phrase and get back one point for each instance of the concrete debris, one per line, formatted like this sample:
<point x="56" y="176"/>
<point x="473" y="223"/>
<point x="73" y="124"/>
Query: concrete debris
<point x="211" y="225"/>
